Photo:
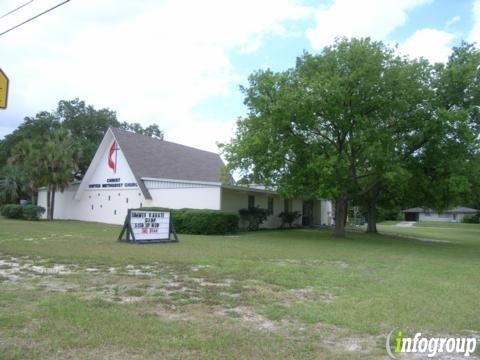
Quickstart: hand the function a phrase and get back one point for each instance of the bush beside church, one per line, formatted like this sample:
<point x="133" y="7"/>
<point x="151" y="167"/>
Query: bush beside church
<point x="201" y="221"/>
<point x="25" y="212"/>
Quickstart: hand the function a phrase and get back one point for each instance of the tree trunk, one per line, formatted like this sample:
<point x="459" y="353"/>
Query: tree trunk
<point x="372" y="217"/>
<point x="48" y="202"/>
<point x="340" y="216"/>
<point x="52" y="203"/>
<point x="34" y="195"/>
<point x="372" y="210"/>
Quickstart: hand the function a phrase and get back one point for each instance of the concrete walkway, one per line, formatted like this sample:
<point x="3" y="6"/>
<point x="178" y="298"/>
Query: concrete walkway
<point x="405" y="224"/>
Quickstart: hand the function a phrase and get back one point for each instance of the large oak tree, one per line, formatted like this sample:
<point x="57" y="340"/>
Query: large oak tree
<point x="338" y="125"/>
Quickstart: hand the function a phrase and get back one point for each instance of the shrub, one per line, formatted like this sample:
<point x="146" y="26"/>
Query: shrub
<point x="472" y="219"/>
<point x="288" y="217"/>
<point x="201" y="221"/>
<point x="177" y="217"/>
<point x="208" y="222"/>
<point x="27" y="212"/>
<point x="32" y="212"/>
<point x="12" y="211"/>
<point x="389" y="214"/>
<point x="253" y="216"/>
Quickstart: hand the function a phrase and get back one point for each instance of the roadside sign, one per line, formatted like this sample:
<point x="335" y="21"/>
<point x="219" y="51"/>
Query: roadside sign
<point x="145" y="226"/>
<point x="3" y="90"/>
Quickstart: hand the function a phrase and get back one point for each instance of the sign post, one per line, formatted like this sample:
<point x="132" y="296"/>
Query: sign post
<point x="3" y="90"/>
<point x="145" y="226"/>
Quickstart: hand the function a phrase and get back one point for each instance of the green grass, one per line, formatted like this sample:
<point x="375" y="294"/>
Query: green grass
<point x="271" y="294"/>
<point x="467" y="234"/>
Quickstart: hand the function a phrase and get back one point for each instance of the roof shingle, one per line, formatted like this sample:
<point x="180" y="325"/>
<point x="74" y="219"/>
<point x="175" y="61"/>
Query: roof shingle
<point x="160" y="159"/>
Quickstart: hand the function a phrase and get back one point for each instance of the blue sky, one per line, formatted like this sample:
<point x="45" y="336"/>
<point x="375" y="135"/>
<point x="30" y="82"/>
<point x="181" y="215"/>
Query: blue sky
<point x="180" y="63"/>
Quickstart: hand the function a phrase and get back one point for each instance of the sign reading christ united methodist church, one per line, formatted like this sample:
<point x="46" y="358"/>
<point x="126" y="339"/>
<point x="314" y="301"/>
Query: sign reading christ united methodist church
<point x="113" y="172"/>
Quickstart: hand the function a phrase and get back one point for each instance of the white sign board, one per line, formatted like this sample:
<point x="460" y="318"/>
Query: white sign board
<point x="149" y="225"/>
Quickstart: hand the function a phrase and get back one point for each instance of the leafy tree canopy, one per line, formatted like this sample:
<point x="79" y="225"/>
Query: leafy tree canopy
<point x="86" y="124"/>
<point x="355" y="123"/>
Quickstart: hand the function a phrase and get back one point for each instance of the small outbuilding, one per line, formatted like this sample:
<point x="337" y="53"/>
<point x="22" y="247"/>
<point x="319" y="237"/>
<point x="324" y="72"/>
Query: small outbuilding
<point x="424" y="214"/>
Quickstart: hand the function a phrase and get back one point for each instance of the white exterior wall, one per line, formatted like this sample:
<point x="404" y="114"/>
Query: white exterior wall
<point x="42" y="201"/>
<point x="327" y="213"/>
<point x="296" y="205"/>
<point x="111" y="206"/>
<point x="106" y="206"/>
<point x="234" y="200"/>
<point x="195" y="198"/>
<point x="447" y="217"/>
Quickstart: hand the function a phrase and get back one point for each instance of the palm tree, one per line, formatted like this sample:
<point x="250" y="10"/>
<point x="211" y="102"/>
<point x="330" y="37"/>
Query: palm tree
<point x="12" y="184"/>
<point x="60" y="160"/>
<point x="26" y="155"/>
<point x="49" y="161"/>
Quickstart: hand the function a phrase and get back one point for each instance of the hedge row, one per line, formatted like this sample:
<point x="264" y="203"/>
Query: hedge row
<point x="472" y="219"/>
<point x="201" y="221"/>
<point x="26" y="212"/>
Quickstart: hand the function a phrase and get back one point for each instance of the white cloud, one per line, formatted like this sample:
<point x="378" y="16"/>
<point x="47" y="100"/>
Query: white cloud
<point x="455" y="19"/>
<point x="151" y="61"/>
<point x="354" y="18"/>
<point x="432" y="44"/>
<point x="194" y="131"/>
<point x="474" y="35"/>
<point x="378" y="19"/>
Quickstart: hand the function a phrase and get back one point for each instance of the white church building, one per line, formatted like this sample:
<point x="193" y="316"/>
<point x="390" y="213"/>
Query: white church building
<point x="133" y="171"/>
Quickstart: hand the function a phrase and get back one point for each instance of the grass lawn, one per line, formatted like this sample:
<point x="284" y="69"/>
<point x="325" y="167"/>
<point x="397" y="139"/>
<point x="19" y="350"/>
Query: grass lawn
<point x="69" y="290"/>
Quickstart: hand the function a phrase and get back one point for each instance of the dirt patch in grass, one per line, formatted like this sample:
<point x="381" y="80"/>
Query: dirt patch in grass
<point x="259" y="322"/>
<point x="204" y="283"/>
<point x="343" y="340"/>
<point x="180" y="294"/>
<point x="153" y="283"/>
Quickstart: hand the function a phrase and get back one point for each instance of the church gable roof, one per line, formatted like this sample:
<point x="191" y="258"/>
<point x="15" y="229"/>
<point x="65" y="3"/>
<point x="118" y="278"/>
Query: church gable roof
<point x="153" y="158"/>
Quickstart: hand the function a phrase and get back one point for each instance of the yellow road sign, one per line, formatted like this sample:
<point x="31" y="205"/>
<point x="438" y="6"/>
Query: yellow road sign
<point x="3" y="90"/>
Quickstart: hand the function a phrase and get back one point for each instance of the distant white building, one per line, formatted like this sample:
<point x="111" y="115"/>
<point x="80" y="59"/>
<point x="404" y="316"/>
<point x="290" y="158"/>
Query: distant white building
<point x="133" y="171"/>
<point x="423" y="214"/>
